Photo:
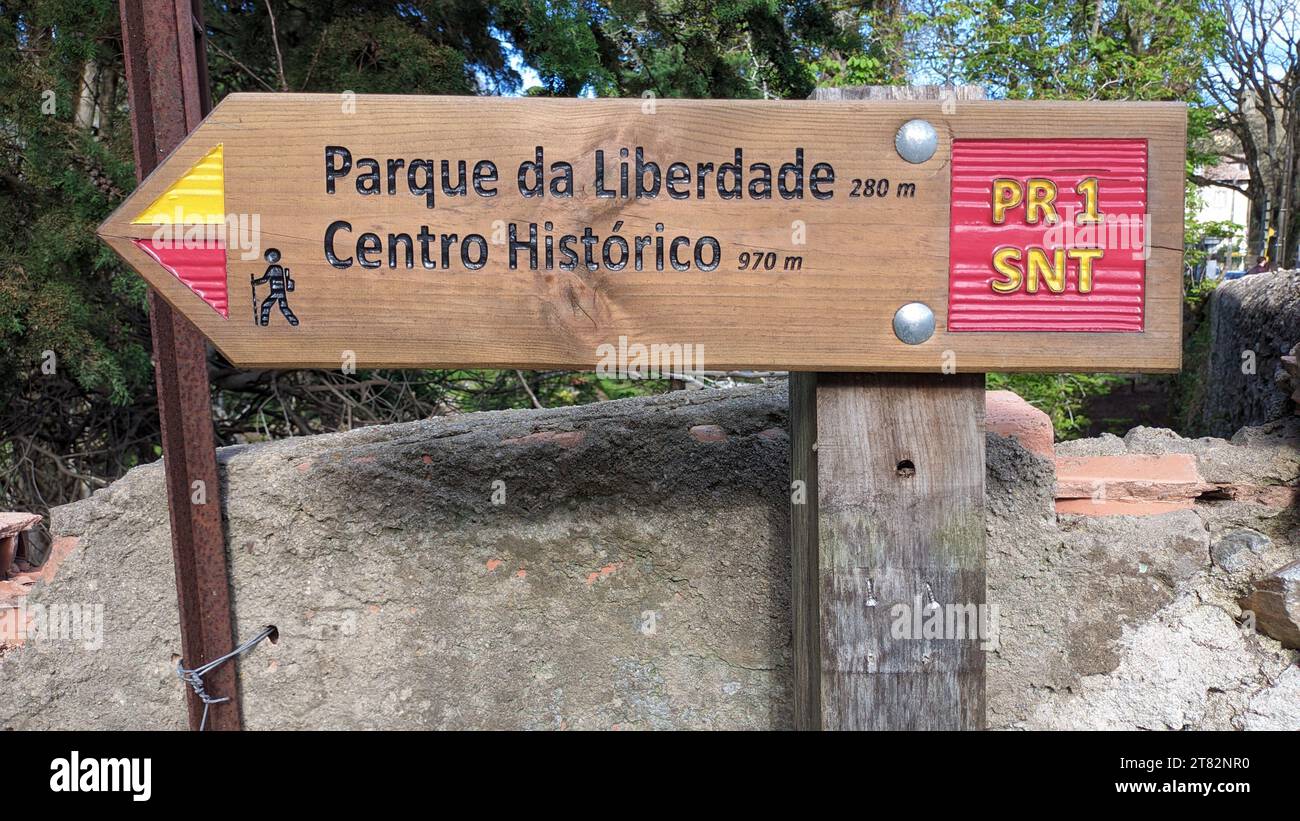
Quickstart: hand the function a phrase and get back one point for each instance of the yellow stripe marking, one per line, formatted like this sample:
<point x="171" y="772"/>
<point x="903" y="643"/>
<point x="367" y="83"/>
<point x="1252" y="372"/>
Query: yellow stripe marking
<point x="193" y="199"/>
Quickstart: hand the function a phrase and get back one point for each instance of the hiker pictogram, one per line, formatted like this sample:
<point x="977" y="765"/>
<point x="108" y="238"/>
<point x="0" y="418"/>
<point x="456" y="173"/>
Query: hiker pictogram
<point x="277" y="277"/>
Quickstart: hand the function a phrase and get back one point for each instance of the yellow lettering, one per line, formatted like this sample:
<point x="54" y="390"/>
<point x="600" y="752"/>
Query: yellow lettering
<point x="1052" y="271"/>
<point x="1006" y="194"/>
<point x="1085" y="256"/>
<point x="1003" y="260"/>
<point x="1088" y="188"/>
<point x="1042" y="193"/>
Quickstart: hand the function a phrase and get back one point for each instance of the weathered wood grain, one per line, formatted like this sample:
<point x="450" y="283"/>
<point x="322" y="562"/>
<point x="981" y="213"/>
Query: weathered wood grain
<point x="891" y="526"/>
<point x="900" y="520"/>
<point x="893" y="465"/>
<point x="804" y="563"/>
<point x="862" y="258"/>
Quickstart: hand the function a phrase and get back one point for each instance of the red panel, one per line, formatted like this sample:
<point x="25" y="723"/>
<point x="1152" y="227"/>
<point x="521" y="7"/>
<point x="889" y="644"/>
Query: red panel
<point x="200" y="265"/>
<point x="1116" y="300"/>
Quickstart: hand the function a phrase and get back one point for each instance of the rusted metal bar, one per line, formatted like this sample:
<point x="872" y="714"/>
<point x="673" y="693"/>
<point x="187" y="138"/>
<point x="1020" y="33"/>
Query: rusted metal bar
<point x="167" y="80"/>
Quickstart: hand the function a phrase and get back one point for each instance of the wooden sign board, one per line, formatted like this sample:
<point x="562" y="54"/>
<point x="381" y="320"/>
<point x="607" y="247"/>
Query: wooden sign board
<point x="296" y="230"/>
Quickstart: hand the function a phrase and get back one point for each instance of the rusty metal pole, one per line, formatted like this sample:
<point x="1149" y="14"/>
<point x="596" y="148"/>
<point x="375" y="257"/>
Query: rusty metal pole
<point x="167" y="81"/>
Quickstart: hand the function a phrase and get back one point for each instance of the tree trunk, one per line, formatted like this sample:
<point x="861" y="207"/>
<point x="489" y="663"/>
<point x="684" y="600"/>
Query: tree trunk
<point x="85" y="116"/>
<point x="107" y="99"/>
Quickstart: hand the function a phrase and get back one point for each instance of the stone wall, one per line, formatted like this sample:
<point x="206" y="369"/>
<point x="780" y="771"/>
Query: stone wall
<point x="637" y="577"/>
<point x="1259" y="314"/>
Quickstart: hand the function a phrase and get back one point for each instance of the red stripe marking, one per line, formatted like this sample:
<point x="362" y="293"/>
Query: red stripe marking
<point x="1119" y="278"/>
<point x="201" y="266"/>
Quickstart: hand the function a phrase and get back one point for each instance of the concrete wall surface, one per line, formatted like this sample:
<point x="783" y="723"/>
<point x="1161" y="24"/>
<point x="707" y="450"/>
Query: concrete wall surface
<point x="636" y="576"/>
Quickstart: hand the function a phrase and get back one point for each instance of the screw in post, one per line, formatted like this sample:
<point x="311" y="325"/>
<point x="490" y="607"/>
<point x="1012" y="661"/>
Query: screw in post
<point x="914" y="323"/>
<point x="916" y="141"/>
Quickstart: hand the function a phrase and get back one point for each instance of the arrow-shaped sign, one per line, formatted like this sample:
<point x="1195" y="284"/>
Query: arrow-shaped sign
<point x="674" y="235"/>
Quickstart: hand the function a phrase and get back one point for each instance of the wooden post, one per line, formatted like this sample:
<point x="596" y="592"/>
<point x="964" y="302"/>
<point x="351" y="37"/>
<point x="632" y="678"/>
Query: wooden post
<point x="167" y="79"/>
<point x="887" y="529"/>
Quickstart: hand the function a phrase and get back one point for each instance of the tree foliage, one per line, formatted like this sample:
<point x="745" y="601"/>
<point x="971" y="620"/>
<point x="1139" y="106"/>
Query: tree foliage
<point x="76" y="393"/>
<point x="1253" y="83"/>
<point x="77" y="403"/>
<point x="1056" y="49"/>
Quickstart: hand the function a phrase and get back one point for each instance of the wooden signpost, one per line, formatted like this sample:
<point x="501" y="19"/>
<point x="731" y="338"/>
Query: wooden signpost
<point x="922" y="239"/>
<point x="440" y="231"/>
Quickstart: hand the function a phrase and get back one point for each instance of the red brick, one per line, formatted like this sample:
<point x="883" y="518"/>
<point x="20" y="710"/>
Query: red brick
<point x="1130" y="484"/>
<point x="1007" y="414"/>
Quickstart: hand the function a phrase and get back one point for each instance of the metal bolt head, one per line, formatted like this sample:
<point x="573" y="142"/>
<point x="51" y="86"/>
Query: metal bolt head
<point x="914" y="323"/>
<point x="916" y="141"/>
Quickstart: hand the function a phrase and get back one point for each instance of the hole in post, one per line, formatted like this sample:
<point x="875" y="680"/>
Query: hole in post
<point x="906" y="469"/>
<point x="274" y="638"/>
